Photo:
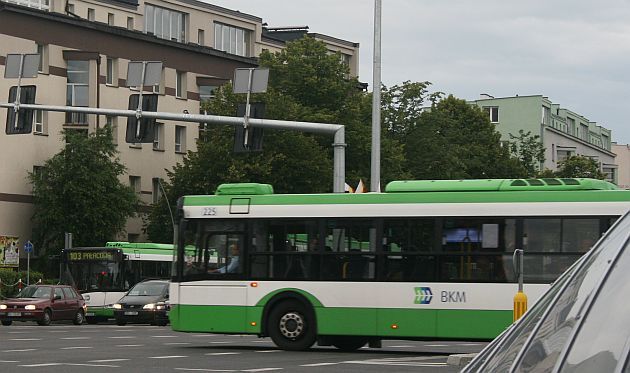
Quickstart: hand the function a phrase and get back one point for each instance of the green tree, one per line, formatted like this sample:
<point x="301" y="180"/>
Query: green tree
<point x="455" y="140"/>
<point x="79" y="191"/>
<point x="529" y="150"/>
<point x="579" y="166"/>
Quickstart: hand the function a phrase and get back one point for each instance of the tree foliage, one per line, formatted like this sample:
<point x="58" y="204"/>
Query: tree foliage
<point x="579" y="166"/>
<point x="79" y="191"/>
<point x="455" y="140"/>
<point x="529" y="150"/>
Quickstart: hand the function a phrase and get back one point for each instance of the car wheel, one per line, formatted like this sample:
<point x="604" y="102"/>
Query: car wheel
<point x="121" y="323"/>
<point x="78" y="318"/>
<point x="291" y="326"/>
<point x="6" y="322"/>
<point x="346" y="343"/>
<point x="45" y="321"/>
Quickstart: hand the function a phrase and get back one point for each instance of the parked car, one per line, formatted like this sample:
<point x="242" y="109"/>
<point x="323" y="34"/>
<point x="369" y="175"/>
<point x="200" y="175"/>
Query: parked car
<point x="580" y="325"/>
<point x="43" y="303"/>
<point x="145" y="302"/>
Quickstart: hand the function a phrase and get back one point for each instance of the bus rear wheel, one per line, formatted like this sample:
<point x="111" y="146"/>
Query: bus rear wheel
<point x="346" y="343"/>
<point x="291" y="326"/>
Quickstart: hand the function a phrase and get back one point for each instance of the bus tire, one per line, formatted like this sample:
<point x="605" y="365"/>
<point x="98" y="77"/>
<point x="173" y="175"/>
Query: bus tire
<point x="7" y="322"/>
<point x="45" y="321"/>
<point x="291" y="326"/>
<point x="348" y="343"/>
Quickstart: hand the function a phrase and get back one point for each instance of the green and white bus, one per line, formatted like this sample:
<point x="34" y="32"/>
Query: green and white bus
<point x="104" y="274"/>
<point x="422" y="260"/>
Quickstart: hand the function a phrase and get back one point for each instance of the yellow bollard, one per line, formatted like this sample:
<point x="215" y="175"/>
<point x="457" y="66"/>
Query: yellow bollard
<point x="520" y="305"/>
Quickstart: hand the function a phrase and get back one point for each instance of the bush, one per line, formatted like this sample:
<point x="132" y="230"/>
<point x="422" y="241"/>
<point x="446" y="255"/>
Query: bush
<point x="10" y="277"/>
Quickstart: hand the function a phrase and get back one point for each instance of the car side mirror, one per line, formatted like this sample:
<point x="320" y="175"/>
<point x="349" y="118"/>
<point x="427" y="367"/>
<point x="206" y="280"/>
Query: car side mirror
<point x="57" y="297"/>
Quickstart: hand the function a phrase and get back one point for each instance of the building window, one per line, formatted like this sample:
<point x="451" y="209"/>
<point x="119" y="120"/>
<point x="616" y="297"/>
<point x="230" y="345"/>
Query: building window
<point x="180" y="84"/>
<point x="129" y="23"/>
<point x="201" y="37"/>
<point x="37" y="4"/>
<point x="91" y="14"/>
<point x="571" y="124"/>
<point x="42" y="50"/>
<point x="206" y="93"/>
<point x="70" y="8"/>
<point x="158" y="140"/>
<point x="493" y="113"/>
<point x="180" y="139"/>
<point x="112" y="124"/>
<point x="157" y="191"/>
<point x="165" y="23"/>
<point x="231" y="39"/>
<point x="77" y="90"/>
<point x="39" y="122"/>
<point x="584" y="131"/>
<point x="546" y="115"/>
<point x="111" y="77"/>
<point x="611" y="174"/>
<point x="134" y="183"/>
<point x="110" y="19"/>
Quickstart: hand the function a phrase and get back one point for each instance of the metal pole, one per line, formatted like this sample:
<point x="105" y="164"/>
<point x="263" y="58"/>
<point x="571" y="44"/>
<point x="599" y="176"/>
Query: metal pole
<point x="28" y="268"/>
<point x="339" y="161"/>
<point x="247" y="109"/>
<point x="16" y="108"/>
<point x="139" y="109"/>
<point x="375" y="178"/>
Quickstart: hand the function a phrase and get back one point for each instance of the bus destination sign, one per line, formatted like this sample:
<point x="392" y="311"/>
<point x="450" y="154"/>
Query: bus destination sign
<point x="91" y="255"/>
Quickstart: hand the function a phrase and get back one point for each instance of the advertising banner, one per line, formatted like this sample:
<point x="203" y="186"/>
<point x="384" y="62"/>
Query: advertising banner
<point x="9" y="253"/>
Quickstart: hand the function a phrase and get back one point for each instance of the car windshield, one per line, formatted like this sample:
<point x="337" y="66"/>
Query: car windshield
<point x="35" y="292"/>
<point x="148" y="289"/>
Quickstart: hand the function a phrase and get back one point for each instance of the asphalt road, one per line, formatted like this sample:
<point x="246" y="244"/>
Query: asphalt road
<point x="60" y="348"/>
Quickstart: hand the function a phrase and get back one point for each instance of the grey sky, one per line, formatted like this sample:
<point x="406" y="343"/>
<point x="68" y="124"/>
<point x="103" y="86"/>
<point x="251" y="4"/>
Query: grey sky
<point x="577" y="52"/>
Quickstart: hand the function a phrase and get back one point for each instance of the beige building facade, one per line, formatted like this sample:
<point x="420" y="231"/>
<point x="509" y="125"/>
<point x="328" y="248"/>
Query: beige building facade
<point x="622" y="152"/>
<point x="85" y="47"/>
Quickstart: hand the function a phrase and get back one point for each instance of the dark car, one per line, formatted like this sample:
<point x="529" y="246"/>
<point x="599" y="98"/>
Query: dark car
<point x="580" y="325"/>
<point x="44" y="303"/>
<point x="146" y="302"/>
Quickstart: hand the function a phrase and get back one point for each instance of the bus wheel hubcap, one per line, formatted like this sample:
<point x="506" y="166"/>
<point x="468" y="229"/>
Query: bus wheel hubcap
<point x="292" y="325"/>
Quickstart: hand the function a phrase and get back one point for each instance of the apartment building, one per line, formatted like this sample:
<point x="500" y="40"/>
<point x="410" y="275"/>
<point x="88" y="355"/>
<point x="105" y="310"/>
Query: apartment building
<point x="622" y="152"/>
<point x="85" y="47"/>
<point x="563" y="132"/>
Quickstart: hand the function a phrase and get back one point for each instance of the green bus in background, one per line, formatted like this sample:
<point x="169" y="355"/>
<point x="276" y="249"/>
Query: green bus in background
<point x="104" y="274"/>
<point x="422" y="260"/>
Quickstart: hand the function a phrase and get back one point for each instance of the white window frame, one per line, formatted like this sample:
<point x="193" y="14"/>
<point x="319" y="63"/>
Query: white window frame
<point x="180" y="84"/>
<point x="42" y="50"/>
<point x="156" y="190"/>
<point x="91" y="14"/>
<point x="39" y="122"/>
<point x="71" y="90"/>
<point x="110" y="19"/>
<point x="231" y="39"/>
<point x="201" y="36"/>
<point x="110" y="71"/>
<point x="130" y="23"/>
<point x="37" y="4"/>
<point x="493" y="113"/>
<point x="135" y="182"/>
<point x="180" y="139"/>
<point x="158" y="140"/>
<point x="112" y="122"/>
<point x="165" y="23"/>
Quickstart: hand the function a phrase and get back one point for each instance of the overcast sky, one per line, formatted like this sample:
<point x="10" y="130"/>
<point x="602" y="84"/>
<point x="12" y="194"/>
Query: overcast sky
<point x="575" y="52"/>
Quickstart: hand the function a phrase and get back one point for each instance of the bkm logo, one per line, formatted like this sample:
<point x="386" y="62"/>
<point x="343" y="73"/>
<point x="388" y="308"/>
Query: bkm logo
<point x="423" y="295"/>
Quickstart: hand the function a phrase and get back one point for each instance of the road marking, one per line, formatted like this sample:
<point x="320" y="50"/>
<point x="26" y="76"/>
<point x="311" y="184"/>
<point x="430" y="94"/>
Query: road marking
<point x="25" y="339"/>
<point x="470" y="344"/>
<point x="164" y="336"/>
<point x="76" y="338"/>
<point x="40" y="365"/>
<point x="122" y="337"/>
<point x="260" y="369"/>
<point x="263" y="351"/>
<point x="205" y="370"/>
<point x="76" y="348"/>
<point x="93" y="365"/>
<point x="9" y="361"/>
<point x="435" y="345"/>
<point x="261" y="341"/>
<point x="219" y="342"/>
<point x="167" y="357"/>
<point x="129" y="345"/>
<point x="318" y="364"/>
<point x="107" y="360"/>
<point x="18" y="332"/>
<point x="58" y="331"/>
<point x="401" y="346"/>
<point x="176" y="343"/>
<point x="222" y="353"/>
<point x="22" y="350"/>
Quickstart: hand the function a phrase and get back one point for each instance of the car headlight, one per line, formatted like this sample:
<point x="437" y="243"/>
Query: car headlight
<point x="117" y="306"/>
<point x="162" y="306"/>
<point x="30" y="307"/>
<point x="3" y="306"/>
<point x="150" y="306"/>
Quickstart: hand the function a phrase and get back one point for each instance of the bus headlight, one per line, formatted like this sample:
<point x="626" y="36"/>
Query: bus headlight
<point x="30" y="307"/>
<point x="117" y="306"/>
<point x="150" y="306"/>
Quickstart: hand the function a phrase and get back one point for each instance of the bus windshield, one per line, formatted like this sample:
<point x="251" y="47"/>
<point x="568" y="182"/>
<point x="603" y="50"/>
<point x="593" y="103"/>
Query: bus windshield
<point x="93" y="275"/>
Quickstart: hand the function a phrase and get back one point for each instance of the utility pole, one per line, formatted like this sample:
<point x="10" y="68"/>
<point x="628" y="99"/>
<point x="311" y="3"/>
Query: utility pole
<point x="375" y="176"/>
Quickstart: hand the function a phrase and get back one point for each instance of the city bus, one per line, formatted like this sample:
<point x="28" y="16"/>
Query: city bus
<point x="429" y="259"/>
<point x="103" y="274"/>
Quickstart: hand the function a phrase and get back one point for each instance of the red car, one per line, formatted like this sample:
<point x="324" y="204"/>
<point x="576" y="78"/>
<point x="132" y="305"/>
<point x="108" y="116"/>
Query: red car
<point x="44" y="303"/>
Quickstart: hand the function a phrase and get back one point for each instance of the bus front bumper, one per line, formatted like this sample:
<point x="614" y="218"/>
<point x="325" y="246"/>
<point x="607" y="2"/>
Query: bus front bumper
<point x="100" y="311"/>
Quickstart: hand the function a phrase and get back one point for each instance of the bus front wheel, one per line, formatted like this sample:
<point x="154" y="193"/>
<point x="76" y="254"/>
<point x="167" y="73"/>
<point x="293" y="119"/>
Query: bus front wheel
<point x="291" y="326"/>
